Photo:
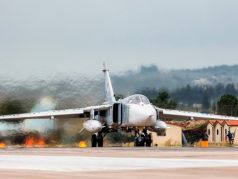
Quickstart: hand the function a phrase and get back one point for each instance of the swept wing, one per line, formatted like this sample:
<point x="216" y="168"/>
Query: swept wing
<point x="67" y="113"/>
<point x="185" y="115"/>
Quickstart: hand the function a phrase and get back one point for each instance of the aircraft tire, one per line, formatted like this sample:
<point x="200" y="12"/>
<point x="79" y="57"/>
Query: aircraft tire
<point x="94" y="140"/>
<point x="100" y="140"/>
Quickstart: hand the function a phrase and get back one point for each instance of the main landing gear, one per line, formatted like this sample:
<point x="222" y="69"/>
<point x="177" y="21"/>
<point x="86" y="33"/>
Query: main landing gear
<point x="97" y="140"/>
<point x="143" y="139"/>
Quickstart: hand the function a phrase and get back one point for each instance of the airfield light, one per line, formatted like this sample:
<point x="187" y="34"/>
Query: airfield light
<point x="2" y="145"/>
<point x="82" y="144"/>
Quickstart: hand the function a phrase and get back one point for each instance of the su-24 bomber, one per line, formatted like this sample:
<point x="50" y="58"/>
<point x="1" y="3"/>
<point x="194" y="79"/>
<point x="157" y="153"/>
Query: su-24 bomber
<point x="131" y="112"/>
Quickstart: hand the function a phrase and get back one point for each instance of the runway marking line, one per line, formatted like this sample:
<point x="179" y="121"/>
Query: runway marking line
<point x="80" y="163"/>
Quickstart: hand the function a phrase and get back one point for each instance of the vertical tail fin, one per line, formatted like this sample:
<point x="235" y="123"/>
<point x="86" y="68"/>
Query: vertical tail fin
<point x="110" y="98"/>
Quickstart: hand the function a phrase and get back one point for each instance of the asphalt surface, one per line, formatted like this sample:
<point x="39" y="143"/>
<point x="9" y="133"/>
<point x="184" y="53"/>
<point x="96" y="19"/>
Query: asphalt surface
<point x="124" y="162"/>
<point x="77" y="164"/>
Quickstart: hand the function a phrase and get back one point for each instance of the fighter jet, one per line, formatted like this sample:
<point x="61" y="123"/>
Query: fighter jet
<point x="131" y="112"/>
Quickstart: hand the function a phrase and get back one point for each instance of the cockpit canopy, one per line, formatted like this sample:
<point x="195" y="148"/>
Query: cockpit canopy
<point x="136" y="99"/>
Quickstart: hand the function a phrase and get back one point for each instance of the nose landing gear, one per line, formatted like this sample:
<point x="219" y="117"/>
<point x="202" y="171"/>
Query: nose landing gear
<point x="143" y="139"/>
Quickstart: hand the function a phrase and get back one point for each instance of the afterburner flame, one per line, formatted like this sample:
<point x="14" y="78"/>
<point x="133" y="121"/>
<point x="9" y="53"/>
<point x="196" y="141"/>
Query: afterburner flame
<point x="29" y="142"/>
<point x="34" y="142"/>
<point x="40" y="142"/>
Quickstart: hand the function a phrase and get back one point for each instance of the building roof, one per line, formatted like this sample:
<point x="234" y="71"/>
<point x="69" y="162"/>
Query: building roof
<point x="223" y="122"/>
<point x="174" y="123"/>
<point x="212" y="122"/>
<point x="232" y="122"/>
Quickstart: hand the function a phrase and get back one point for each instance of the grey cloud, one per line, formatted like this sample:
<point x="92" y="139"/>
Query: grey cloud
<point x="42" y="37"/>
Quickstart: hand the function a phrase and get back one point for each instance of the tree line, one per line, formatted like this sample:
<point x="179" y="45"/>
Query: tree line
<point x="219" y="99"/>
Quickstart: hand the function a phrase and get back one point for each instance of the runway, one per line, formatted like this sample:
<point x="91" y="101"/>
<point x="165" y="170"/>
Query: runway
<point x="104" y="163"/>
<point x="76" y="164"/>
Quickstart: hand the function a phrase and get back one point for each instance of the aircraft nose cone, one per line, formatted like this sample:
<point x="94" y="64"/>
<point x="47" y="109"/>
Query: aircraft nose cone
<point x="141" y="116"/>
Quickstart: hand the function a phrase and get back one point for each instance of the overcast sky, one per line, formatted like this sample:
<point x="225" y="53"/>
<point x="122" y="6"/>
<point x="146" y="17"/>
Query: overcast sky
<point x="49" y="36"/>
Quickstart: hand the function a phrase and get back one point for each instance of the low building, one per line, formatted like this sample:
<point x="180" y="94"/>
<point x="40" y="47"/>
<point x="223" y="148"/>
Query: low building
<point x="217" y="131"/>
<point x="173" y="137"/>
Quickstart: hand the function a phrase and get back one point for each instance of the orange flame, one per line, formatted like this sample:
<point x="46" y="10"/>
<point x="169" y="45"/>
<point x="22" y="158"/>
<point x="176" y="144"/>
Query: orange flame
<point x="2" y="145"/>
<point x="40" y="142"/>
<point x="82" y="144"/>
<point x="34" y="142"/>
<point x="29" y="142"/>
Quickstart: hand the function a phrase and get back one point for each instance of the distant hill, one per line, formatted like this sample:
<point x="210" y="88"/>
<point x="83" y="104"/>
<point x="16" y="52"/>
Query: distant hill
<point x="77" y="91"/>
<point x="152" y="77"/>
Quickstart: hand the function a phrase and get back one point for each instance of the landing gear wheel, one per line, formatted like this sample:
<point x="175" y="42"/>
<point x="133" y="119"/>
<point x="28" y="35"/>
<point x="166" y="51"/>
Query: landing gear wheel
<point x="145" y="131"/>
<point x="100" y="140"/>
<point x="94" y="140"/>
